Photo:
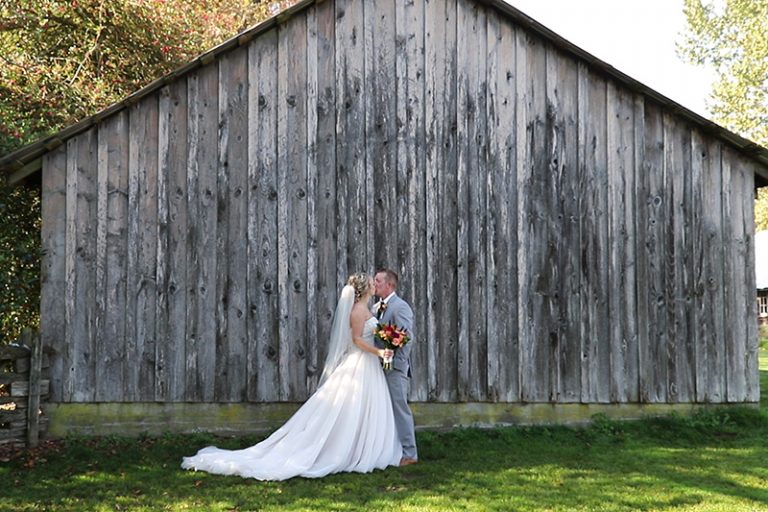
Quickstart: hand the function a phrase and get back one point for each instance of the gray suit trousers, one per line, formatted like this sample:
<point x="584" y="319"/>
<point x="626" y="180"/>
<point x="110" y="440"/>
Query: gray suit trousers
<point x="398" y="384"/>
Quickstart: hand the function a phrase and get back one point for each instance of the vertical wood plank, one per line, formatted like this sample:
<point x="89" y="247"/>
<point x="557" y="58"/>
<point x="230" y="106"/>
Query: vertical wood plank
<point x="536" y="252"/>
<point x="464" y="104"/>
<point x="629" y="262"/>
<point x="472" y="39"/>
<point x="292" y="207"/>
<point x="683" y="202"/>
<point x="233" y="161"/>
<point x="351" y="255"/>
<point x="497" y="211"/>
<point x="101" y="344"/>
<point x="33" y="404"/>
<point x="617" y="169"/>
<point x="113" y="168"/>
<point x="223" y="207"/>
<point x="699" y="159"/>
<point x="667" y="355"/>
<point x="70" y="352"/>
<point x="327" y="287"/>
<point x="203" y="99"/>
<point x="142" y="234"/>
<point x="312" y="364"/>
<point x="411" y="180"/>
<point x="621" y="271"/>
<point x="564" y="228"/>
<point x="82" y="190"/>
<point x="136" y="134"/>
<point x="146" y="159"/>
<point x="593" y="186"/>
<point x="652" y="227"/>
<point x="523" y="172"/>
<point x="192" y="386"/>
<point x="162" y="348"/>
<point x="441" y="163"/>
<point x="711" y="329"/>
<point x="751" y="367"/>
<point x="175" y="114"/>
<point x="735" y="277"/>
<point x="645" y="362"/>
<point x="263" y="338"/>
<point x="52" y="266"/>
<point x="385" y="87"/>
<point x="432" y="155"/>
<point x="503" y="370"/>
<point x="678" y="254"/>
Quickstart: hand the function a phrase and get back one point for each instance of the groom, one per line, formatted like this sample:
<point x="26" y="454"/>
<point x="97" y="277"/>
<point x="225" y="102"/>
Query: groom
<point x="391" y="309"/>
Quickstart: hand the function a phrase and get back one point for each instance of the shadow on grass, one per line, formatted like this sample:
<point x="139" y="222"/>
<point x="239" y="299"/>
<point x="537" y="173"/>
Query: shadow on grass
<point x="716" y="457"/>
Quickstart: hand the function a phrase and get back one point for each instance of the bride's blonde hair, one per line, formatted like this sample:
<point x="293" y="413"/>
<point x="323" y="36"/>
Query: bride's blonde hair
<point x="360" y="282"/>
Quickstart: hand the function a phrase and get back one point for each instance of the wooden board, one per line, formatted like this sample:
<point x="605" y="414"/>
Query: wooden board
<point x="263" y="348"/>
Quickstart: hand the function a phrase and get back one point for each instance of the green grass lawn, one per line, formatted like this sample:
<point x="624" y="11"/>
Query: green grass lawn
<point x="713" y="461"/>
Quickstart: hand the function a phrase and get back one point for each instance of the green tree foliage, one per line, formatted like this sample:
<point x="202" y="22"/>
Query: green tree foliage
<point x="19" y="260"/>
<point x="761" y="209"/>
<point x="63" y="60"/>
<point x="732" y="37"/>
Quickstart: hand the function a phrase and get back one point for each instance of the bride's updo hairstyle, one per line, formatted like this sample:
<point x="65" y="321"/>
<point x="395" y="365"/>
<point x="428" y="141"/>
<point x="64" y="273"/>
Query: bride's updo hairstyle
<point x="360" y="282"/>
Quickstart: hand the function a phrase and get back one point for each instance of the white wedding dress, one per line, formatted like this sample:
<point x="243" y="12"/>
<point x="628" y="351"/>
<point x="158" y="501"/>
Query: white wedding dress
<point x="346" y="425"/>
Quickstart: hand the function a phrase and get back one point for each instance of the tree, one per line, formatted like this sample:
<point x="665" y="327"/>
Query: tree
<point x="732" y="37"/>
<point x="63" y="60"/>
<point x="19" y="260"/>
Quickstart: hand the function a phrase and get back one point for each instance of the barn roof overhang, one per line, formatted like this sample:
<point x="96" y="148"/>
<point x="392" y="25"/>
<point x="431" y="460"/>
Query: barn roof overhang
<point x="27" y="160"/>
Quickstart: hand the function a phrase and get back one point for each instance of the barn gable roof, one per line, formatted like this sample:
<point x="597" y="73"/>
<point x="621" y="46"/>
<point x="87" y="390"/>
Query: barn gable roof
<point x="27" y="160"/>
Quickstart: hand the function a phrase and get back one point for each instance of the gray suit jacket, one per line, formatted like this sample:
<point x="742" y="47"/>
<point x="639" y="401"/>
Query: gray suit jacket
<point x="399" y="313"/>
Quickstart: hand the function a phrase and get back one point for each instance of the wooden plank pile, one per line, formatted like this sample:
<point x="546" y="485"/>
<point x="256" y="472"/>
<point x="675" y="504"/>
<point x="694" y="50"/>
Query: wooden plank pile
<point x="23" y="387"/>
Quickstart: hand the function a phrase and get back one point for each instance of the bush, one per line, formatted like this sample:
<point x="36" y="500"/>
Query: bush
<point x="763" y="337"/>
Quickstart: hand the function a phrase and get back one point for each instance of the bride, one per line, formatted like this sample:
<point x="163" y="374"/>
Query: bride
<point x="346" y="425"/>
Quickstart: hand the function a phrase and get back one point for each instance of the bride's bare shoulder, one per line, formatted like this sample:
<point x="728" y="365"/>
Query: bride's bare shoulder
<point x="359" y="312"/>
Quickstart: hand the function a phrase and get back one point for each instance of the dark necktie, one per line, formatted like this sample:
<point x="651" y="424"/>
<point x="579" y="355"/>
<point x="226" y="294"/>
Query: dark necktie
<point x="381" y="310"/>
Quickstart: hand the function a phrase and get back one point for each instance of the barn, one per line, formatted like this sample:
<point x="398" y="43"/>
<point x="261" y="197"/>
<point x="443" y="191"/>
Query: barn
<point x="572" y="242"/>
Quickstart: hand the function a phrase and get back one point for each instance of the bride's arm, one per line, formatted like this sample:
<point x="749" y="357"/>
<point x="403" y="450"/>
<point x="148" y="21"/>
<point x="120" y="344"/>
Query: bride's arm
<point x="357" y="320"/>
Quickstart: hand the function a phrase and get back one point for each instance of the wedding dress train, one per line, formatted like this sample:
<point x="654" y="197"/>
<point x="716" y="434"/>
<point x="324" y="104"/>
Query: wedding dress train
<point x="346" y="425"/>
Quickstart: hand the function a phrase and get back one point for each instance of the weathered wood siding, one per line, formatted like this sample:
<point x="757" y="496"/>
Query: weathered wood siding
<point x="560" y="237"/>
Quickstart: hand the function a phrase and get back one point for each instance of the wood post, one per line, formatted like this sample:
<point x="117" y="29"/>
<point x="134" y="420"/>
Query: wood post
<point x="33" y="410"/>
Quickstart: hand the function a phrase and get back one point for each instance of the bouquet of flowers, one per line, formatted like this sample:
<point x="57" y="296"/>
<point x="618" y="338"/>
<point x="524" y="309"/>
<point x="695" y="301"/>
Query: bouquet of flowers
<point x="392" y="337"/>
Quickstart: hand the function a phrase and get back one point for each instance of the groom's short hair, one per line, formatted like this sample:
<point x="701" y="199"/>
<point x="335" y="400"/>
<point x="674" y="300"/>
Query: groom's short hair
<point x="391" y="275"/>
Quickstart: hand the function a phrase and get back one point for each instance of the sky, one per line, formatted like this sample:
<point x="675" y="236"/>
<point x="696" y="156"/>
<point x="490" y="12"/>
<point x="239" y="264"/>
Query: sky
<point x="637" y="37"/>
